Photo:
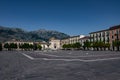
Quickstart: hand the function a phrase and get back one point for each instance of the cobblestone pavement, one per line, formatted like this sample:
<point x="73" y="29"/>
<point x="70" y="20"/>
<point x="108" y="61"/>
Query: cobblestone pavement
<point x="16" y="66"/>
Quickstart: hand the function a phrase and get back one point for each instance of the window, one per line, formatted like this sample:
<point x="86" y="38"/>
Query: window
<point x="55" y="46"/>
<point x="112" y="37"/>
<point x="117" y="31"/>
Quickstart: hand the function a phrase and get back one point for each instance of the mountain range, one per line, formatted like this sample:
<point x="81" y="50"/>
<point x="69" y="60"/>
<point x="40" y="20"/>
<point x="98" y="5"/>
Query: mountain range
<point x="7" y="34"/>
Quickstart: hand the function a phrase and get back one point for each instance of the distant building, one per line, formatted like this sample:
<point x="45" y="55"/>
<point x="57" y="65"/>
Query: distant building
<point x="102" y="35"/>
<point x="107" y="36"/>
<point x="65" y="41"/>
<point x="19" y="43"/>
<point x="84" y="39"/>
<point x="75" y="39"/>
<point x="114" y="33"/>
<point x="44" y="44"/>
<point x="54" y="44"/>
<point x="71" y="40"/>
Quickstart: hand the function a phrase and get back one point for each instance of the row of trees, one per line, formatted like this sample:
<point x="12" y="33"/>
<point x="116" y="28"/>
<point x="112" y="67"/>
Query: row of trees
<point x="98" y="45"/>
<point x="25" y="46"/>
<point x="116" y="44"/>
<point x="72" y="46"/>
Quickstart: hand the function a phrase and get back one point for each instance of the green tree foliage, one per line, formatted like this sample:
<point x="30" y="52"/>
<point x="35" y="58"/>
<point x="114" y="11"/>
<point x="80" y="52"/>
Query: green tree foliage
<point x="77" y="45"/>
<point x="107" y="45"/>
<point x="26" y="46"/>
<point x="31" y="46"/>
<point x="87" y="45"/>
<point x="6" y="45"/>
<point x="98" y="45"/>
<point x="64" y="46"/>
<point x="72" y="46"/>
<point x="10" y="46"/>
<point x="116" y="44"/>
<point x="35" y="47"/>
<point x="13" y="46"/>
<point x="39" y="46"/>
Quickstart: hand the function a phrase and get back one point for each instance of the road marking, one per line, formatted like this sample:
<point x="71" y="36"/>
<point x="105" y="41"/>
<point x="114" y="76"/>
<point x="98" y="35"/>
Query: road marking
<point x="78" y="56"/>
<point x="82" y="60"/>
<point x="28" y="56"/>
<point x="103" y="59"/>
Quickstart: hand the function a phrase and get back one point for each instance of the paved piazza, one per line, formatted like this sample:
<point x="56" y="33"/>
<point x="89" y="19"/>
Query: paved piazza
<point x="59" y="65"/>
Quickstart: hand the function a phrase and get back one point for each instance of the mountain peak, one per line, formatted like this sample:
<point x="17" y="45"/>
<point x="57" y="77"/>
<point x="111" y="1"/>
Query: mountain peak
<point x="7" y="33"/>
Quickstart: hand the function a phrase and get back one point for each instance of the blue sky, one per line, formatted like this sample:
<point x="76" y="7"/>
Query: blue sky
<point x="72" y="17"/>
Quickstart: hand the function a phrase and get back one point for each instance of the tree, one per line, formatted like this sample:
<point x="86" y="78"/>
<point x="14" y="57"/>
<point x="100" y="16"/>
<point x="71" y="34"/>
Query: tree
<point x="39" y="46"/>
<point x="31" y="46"/>
<point x="34" y="46"/>
<point x="72" y="46"/>
<point x="67" y="46"/>
<point x="76" y="45"/>
<point x="95" y="45"/>
<point x="116" y="44"/>
<point x="64" y="46"/>
<point x="101" y="44"/>
<point x="87" y="45"/>
<point x="13" y="46"/>
<point x="10" y="46"/>
<point x="20" y="46"/>
<point x="7" y="46"/>
<point x="0" y="46"/>
<point x="107" y="45"/>
<point x="24" y="46"/>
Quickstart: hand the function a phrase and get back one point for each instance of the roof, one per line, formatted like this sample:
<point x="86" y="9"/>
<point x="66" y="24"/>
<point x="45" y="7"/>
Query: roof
<point x="111" y="28"/>
<point x="114" y="27"/>
<point x="77" y="36"/>
<point x="99" y="31"/>
<point x="86" y="37"/>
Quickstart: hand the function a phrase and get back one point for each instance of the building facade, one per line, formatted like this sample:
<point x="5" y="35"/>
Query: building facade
<point x="114" y="34"/>
<point x="54" y="44"/>
<point x="107" y="36"/>
<point x="65" y="41"/>
<point x="43" y="44"/>
<point x="75" y="39"/>
<point x="102" y="36"/>
<point x="84" y="39"/>
<point x="71" y="40"/>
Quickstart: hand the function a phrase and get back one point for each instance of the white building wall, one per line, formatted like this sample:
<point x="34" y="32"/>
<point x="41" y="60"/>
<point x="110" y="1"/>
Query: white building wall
<point x="55" y="44"/>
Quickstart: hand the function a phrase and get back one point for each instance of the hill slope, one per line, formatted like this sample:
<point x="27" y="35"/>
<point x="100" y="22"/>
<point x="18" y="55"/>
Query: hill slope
<point x="7" y="34"/>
